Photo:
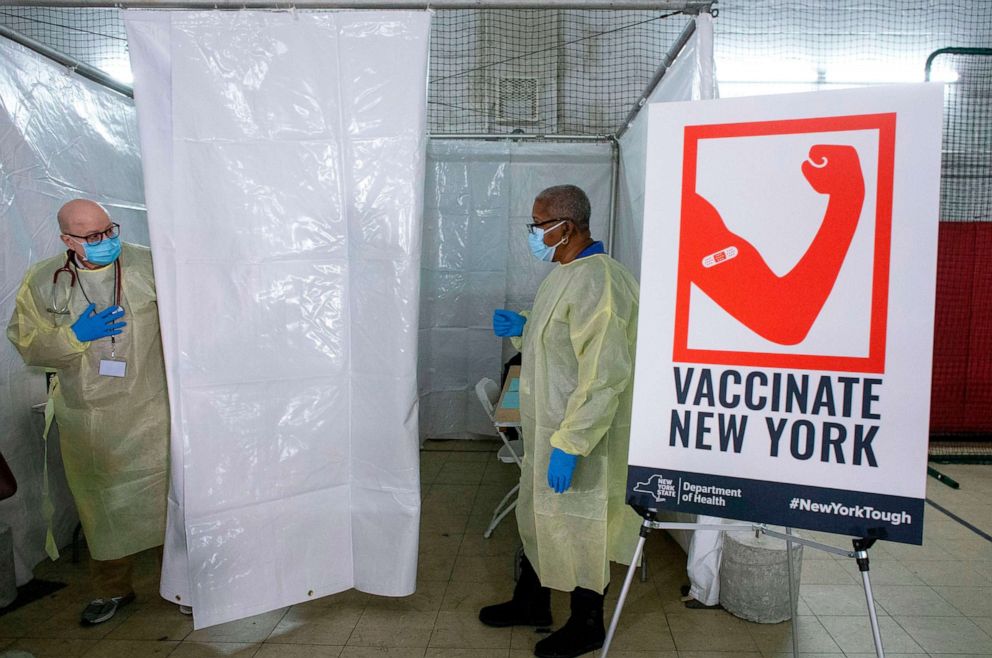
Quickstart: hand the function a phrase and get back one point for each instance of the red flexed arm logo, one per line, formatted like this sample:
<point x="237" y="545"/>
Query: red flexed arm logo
<point x="732" y="272"/>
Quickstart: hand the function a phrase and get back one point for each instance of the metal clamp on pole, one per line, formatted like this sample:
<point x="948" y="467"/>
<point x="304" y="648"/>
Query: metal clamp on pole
<point x="861" y="547"/>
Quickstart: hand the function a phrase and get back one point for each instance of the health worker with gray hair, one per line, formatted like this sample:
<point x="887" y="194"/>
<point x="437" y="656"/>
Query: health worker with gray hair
<point x="575" y="399"/>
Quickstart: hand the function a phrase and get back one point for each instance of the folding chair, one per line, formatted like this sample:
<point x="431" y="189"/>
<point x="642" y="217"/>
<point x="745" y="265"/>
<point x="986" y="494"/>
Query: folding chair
<point x="488" y="393"/>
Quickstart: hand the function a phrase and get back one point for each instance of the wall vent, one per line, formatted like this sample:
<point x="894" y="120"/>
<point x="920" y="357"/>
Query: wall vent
<point x="517" y="100"/>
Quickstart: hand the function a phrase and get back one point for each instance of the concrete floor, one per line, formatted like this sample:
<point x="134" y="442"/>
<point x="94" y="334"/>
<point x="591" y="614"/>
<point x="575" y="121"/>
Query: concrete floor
<point x="932" y="600"/>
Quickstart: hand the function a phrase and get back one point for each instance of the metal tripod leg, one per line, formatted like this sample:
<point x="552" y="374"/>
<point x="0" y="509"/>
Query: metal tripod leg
<point x="793" y="619"/>
<point x="861" y="555"/>
<point x="631" y="570"/>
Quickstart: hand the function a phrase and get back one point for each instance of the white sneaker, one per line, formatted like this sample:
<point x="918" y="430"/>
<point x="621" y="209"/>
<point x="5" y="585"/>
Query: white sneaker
<point x="186" y="610"/>
<point x="100" y="610"/>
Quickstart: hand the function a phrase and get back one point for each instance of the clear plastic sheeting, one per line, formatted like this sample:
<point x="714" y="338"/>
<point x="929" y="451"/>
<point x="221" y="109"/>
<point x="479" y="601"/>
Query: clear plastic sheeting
<point x="476" y="259"/>
<point x="691" y="77"/>
<point x="61" y="137"/>
<point x="284" y="163"/>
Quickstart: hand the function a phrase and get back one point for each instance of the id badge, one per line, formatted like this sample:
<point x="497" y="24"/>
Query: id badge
<point x="112" y="367"/>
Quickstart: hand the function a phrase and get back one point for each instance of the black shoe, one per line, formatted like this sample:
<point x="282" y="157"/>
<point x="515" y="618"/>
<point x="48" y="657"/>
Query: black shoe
<point x="511" y="613"/>
<point x="583" y="632"/>
<point x="101" y="610"/>
<point x="530" y="605"/>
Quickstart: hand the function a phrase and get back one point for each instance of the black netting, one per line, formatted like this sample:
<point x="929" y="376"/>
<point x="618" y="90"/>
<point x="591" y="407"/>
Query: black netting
<point x="92" y="36"/>
<point x="543" y="71"/>
<point x="579" y="72"/>
<point x="966" y="172"/>
<point x="775" y="46"/>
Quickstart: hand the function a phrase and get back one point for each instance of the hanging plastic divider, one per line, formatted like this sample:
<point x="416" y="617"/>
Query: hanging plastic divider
<point x="284" y="167"/>
<point x="691" y="77"/>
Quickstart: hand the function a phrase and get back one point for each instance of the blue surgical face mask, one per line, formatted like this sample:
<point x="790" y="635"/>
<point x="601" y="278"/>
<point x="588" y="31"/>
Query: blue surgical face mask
<point x="103" y="252"/>
<point x="540" y="250"/>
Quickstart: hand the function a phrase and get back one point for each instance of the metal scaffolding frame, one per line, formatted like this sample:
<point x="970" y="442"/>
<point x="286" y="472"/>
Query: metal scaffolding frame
<point x="688" y="6"/>
<point x="82" y="68"/>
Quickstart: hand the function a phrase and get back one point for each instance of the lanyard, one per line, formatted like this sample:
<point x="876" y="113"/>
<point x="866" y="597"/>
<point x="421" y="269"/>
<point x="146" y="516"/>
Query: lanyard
<point x="117" y="282"/>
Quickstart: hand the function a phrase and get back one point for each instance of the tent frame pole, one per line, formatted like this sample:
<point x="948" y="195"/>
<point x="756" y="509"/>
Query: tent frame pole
<point x="688" y="6"/>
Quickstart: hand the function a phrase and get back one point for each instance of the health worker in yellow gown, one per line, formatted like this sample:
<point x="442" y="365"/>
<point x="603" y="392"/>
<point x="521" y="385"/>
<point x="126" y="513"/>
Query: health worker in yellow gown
<point x="90" y="314"/>
<point x="575" y="399"/>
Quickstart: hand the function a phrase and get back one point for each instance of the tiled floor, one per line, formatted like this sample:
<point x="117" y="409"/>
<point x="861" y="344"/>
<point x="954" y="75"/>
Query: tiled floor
<point x="935" y="599"/>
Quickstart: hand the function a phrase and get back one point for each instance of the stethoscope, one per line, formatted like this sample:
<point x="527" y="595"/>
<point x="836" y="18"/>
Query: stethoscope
<point x="69" y="268"/>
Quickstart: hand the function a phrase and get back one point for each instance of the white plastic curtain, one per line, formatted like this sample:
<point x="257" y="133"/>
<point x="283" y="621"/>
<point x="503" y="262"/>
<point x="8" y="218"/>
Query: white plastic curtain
<point x="691" y="77"/>
<point x="479" y="198"/>
<point x="284" y="163"/>
<point x="61" y="137"/>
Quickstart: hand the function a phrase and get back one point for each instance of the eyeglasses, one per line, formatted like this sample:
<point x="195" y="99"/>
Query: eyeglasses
<point x="99" y="236"/>
<point x="531" y="227"/>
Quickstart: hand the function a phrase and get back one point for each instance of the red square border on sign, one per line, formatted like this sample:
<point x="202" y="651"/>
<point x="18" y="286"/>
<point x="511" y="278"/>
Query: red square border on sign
<point x="874" y="362"/>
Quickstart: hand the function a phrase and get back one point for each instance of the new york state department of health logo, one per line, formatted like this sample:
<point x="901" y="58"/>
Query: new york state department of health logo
<point x="659" y="487"/>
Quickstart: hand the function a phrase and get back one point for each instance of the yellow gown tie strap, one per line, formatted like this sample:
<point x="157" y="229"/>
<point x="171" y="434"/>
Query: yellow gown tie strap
<point x="47" y="507"/>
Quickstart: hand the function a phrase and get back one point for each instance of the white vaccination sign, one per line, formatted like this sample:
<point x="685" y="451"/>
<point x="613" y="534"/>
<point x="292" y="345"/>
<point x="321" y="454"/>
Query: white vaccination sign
<point x="786" y="318"/>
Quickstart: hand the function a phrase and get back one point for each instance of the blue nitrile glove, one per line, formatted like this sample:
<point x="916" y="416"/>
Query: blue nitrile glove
<point x="560" y="469"/>
<point x="94" y="326"/>
<point x="508" y="323"/>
